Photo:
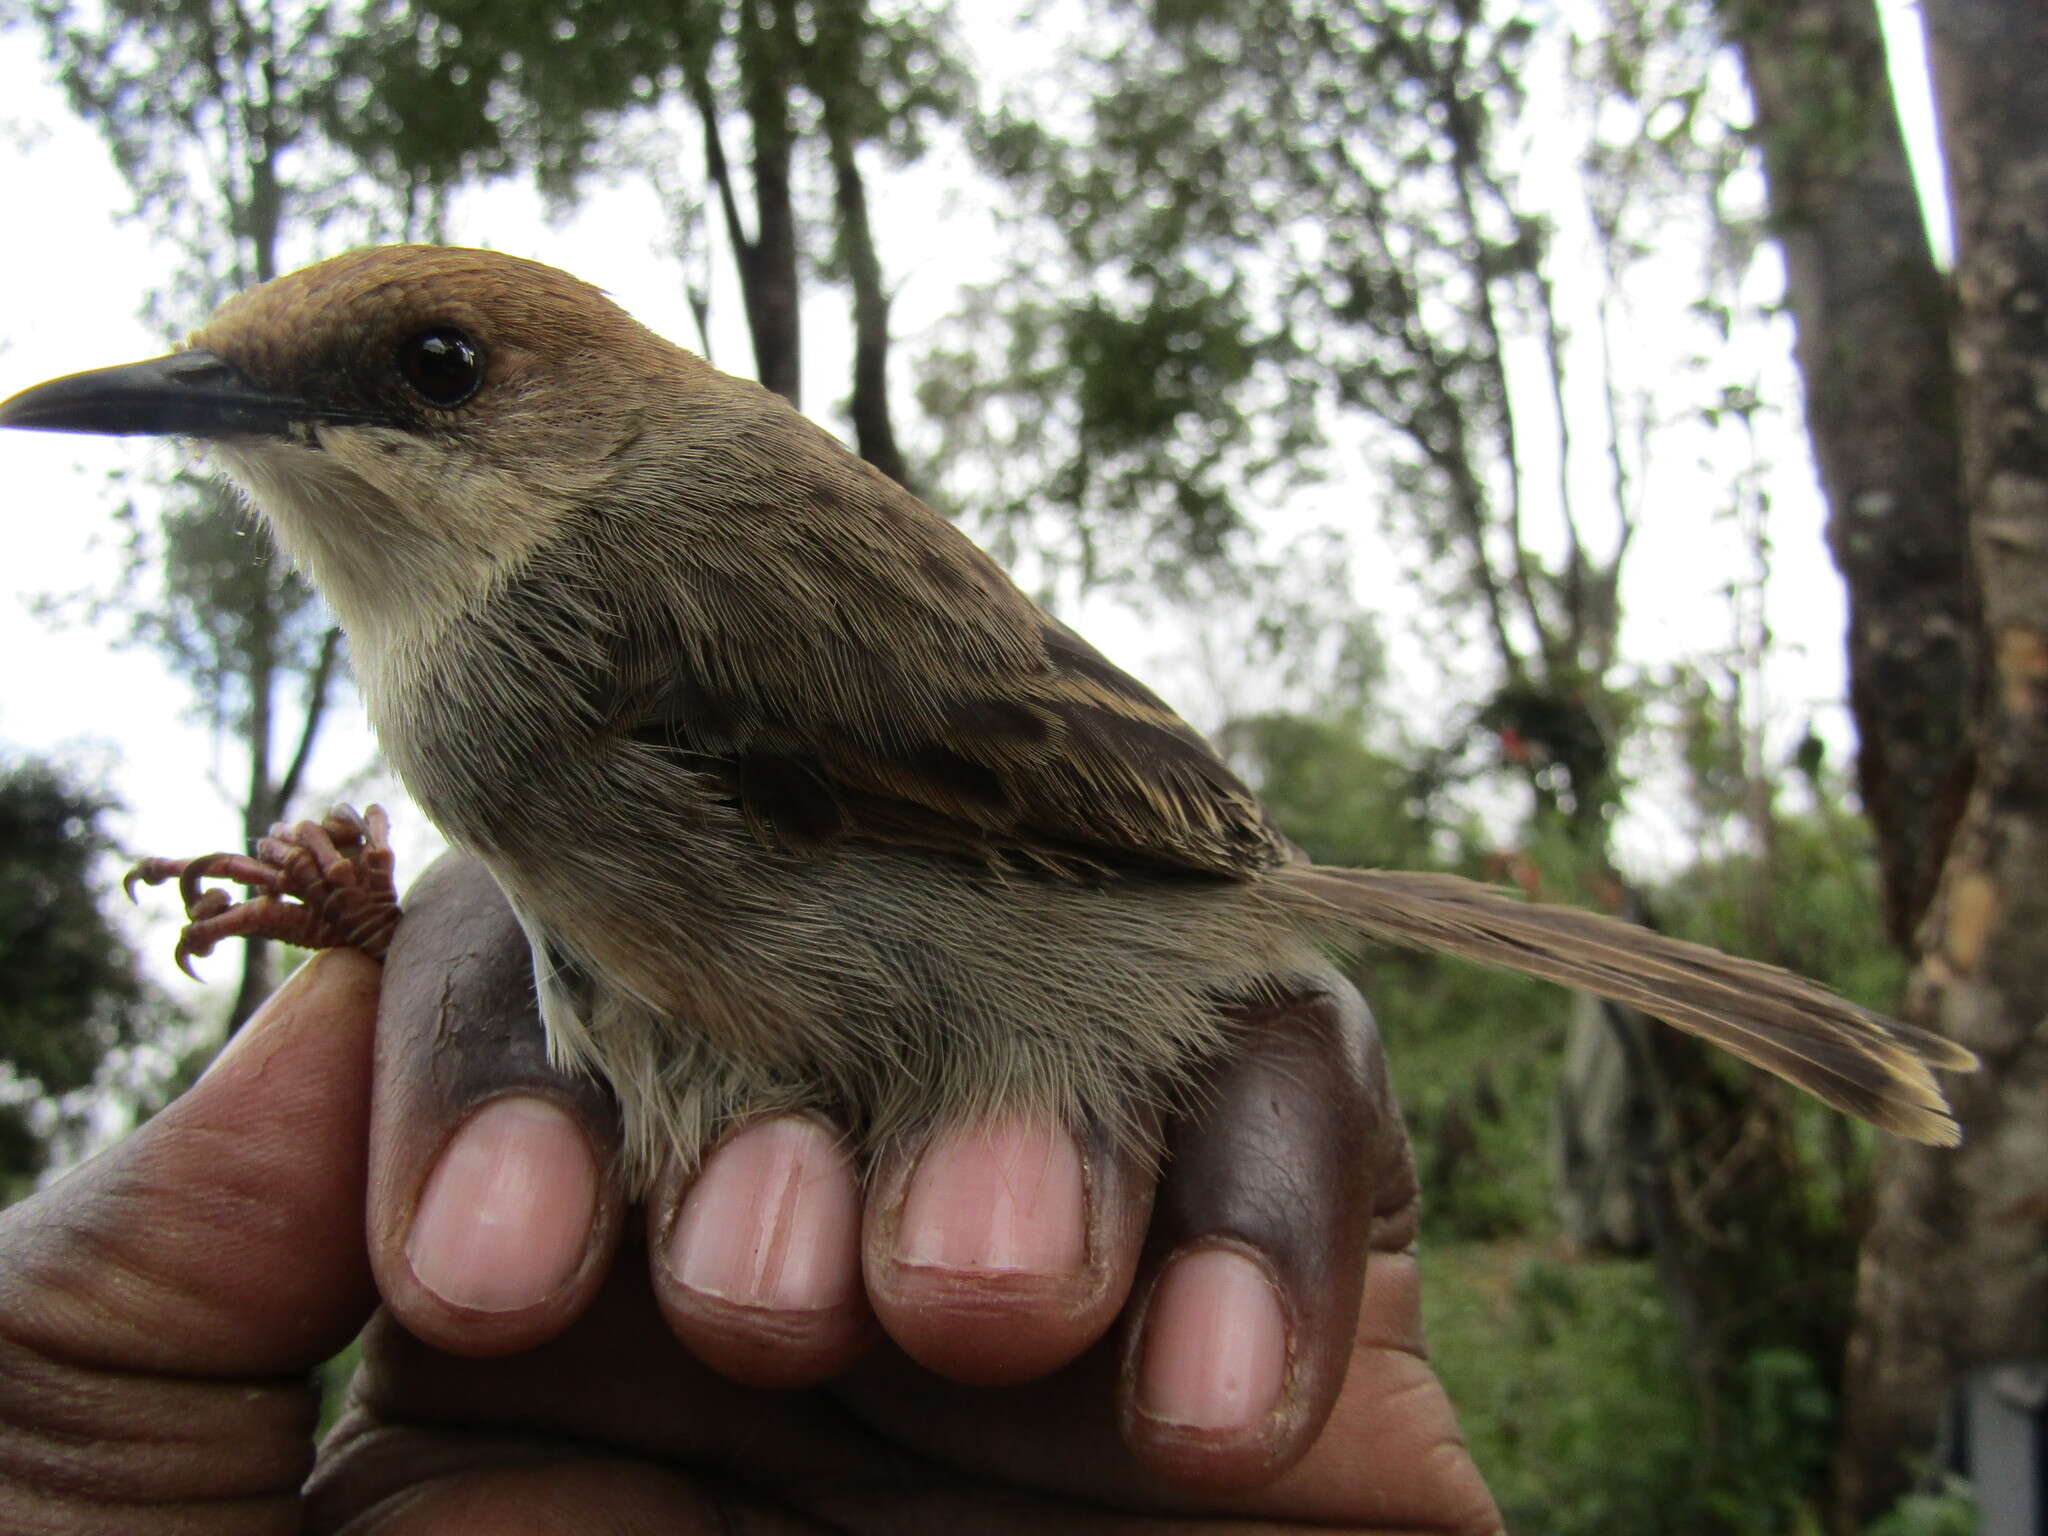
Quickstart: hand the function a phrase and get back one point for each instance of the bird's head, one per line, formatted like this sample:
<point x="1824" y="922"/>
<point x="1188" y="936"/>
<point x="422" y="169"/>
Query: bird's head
<point x="412" y="420"/>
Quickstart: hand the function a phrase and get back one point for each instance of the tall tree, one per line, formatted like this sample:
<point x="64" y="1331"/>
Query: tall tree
<point x="1872" y="312"/>
<point x="70" y="991"/>
<point x="1281" y="222"/>
<point x="212" y="110"/>
<point x="1951" y="1276"/>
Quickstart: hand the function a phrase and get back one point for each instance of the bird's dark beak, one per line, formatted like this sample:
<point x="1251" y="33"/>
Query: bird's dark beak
<point x="187" y="394"/>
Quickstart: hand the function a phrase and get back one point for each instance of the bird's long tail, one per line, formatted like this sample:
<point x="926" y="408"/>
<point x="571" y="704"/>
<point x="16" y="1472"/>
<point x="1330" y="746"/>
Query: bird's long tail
<point x="1858" y="1061"/>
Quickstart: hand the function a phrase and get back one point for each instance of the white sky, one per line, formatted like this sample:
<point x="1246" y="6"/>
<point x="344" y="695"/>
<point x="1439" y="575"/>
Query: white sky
<point x="75" y="275"/>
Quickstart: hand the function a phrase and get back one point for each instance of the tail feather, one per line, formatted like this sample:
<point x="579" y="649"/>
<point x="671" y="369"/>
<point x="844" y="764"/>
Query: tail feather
<point x="1870" y="1066"/>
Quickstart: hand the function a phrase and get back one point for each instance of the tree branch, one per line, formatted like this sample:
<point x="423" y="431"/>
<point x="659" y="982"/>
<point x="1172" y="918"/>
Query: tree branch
<point x="717" y="167"/>
<point x="874" y="430"/>
<point x="317" y="695"/>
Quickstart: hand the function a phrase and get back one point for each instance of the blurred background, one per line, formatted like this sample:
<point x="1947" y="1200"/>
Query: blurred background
<point x="1485" y="418"/>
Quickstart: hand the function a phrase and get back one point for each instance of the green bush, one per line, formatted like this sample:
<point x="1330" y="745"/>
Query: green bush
<point x="1570" y="1380"/>
<point x="1570" y="1386"/>
<point x="1950" y="1511"/>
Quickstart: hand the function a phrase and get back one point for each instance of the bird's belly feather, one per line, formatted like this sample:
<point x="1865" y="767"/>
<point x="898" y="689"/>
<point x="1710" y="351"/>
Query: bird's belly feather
<point x="705" y="974"/>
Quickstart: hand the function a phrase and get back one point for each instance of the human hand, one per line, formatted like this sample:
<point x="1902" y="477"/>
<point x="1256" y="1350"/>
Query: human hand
<point x="250" y="1265"/>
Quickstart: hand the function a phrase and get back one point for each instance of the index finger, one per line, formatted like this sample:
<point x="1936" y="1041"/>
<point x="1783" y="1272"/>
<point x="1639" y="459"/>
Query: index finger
<point x="493" y="1215"/>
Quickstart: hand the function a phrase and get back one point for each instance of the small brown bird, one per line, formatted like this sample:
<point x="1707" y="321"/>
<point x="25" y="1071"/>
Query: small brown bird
<point x="799" y="799"/>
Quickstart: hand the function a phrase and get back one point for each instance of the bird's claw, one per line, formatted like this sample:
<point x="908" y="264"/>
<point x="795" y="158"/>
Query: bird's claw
<point x="316" y="884"/>
<point x="150" y="872"/>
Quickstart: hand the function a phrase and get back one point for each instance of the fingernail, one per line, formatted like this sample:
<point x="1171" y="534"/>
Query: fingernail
<point x="506" y="1213"/>
<point x="1006" y="1197"/>
<point x="773" y="1221"/>
<point x="1215" y="1344"/>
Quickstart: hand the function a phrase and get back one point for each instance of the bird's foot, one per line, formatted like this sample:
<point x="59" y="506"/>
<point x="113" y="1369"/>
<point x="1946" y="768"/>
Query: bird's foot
<point x="323" y="884"/>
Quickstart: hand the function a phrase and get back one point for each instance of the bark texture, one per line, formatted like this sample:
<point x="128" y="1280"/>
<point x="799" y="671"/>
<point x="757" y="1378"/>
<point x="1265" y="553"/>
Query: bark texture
<point x="1955" y="1269"/>
<point x="1873" y="313"/>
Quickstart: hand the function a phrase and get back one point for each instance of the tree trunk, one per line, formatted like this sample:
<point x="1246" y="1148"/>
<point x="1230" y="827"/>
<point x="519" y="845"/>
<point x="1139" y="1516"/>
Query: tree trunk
<point x="768" y="263"/>
<point x="1873" y="350"/>
<point x="874" y="432"/>
<point x="1952" y="1275"/>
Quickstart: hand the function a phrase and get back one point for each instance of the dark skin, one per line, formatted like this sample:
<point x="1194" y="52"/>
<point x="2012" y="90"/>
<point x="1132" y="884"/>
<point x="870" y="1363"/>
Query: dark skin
<point x="161" y="1306"/>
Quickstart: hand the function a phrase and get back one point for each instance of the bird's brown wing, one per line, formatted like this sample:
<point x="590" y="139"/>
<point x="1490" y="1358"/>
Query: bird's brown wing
<point x="1070" y="767"/>
<point x="905" y="691"/>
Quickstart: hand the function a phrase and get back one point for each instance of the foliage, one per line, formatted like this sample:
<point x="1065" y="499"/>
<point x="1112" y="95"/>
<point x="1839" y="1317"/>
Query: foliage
<point x="215" y="115"/>
<point x="70" y="993"/>
<point x="231" y="617"/>
<point x="1596" y="1362"/>
<point x="1343" y="802"/>
<point x="1592" y="1431"/>
<point x="1475" y="1051"/>
<point x="1948" y="1511"/>
<point x="1814" y="895"/>
<point x="1260" y="244"/>
<point x="212" y="112"/>
<point x="1803" y="893"/>
<point x="1556" y="1362"/>
<point x="467" y="89"/>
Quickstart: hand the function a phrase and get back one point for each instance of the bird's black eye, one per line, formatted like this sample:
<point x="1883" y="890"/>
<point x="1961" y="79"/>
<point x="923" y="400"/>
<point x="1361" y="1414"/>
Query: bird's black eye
<point x="442" y="365"/>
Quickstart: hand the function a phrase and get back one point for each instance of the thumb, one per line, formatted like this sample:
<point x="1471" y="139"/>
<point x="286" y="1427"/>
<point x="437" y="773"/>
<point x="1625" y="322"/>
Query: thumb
<point x="224" y="1238"/>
